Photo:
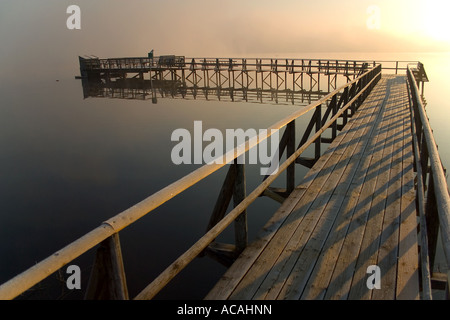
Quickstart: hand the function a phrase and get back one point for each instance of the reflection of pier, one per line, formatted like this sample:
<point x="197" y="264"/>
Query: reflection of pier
<point x="141" y="89"/>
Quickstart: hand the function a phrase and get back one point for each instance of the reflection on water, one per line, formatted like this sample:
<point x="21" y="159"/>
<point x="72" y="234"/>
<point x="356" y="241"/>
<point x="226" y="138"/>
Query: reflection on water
<point x="140" y="89"/>
<point x="69" y="163"/>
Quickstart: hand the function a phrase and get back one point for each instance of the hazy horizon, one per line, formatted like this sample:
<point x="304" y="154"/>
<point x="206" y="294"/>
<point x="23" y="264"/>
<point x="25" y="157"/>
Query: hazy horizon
<point x="34" y="36"/>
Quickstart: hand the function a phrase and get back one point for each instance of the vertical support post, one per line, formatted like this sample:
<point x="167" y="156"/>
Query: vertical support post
<point x="107" y="280"/>
<point x="256" y="74"/>
<point x="335" y="81"/>
<point x="318" y="126"/>
<point x="424" y="157"/>
<point x="234" y="187"/>
<point x="290" y="171"/>
<point x="270" y="74"/>
<point x="334" y="111"/>
<point x="224" y="198"/>
<point x="345" y="101"/>
<point x="240" y="223"/>
<point x="318" y="79"/>
<point x="432" y="221"/>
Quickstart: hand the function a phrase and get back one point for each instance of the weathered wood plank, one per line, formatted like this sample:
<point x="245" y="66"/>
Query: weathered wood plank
<point x="370" y="243"/>
<point x="381" y="200"/>
<point x="408" y="256"/>
<point x="312" y="206"/>
<point x="307" y="260"/>
<point x="335" y="268"/>
<point x="388" y="250"/>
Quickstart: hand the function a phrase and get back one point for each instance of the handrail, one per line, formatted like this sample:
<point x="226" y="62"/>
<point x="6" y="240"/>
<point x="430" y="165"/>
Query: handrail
<point x="43" y="269"/>
<point x="438" y="199"/>
<point x="286" y="63"/>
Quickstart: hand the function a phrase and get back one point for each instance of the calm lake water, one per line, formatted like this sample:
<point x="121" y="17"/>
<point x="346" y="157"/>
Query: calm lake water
<point x="69" y="163"/>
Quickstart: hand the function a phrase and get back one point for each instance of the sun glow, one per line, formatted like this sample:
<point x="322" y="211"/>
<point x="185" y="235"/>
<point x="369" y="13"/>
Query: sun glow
<point x="436" y="20"/>
<point x="422" y="24"/>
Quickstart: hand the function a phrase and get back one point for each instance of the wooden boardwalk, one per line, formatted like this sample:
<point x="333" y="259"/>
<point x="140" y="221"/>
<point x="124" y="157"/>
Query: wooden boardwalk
<point x="354" y="208"/>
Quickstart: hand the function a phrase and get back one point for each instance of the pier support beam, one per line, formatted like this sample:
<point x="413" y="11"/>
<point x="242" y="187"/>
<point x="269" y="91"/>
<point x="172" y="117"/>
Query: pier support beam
<point x="107" y="280"/>
<point x="234" y="187"/>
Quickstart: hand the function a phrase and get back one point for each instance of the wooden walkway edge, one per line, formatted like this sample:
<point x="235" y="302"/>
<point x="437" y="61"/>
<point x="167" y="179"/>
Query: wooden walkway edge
<point x="355" y="208"/>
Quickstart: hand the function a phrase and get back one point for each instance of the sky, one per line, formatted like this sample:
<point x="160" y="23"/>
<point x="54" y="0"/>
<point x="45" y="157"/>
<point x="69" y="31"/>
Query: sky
<point x="34" y="34"/>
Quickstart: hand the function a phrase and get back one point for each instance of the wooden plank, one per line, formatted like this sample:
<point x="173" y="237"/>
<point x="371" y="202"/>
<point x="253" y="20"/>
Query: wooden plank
<point x="336" y="201"/>
<point x="408" y="256"/>
<point x="303" y="225"/>
<point x="388" y="250"/>
<point x="336" y="264"/>
<point x="343" y="273"/>
<point x="294" y="289"/>
<point x="284" y="235"/>
<point x="369" y="245"/>
<point x="371" y="238"/>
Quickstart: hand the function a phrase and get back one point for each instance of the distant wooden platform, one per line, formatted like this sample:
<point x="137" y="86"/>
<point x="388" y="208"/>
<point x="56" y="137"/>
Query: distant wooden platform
<point x="353" y="209"/>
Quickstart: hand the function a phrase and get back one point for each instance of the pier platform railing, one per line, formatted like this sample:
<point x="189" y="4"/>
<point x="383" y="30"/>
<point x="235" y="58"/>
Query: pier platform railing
<point x="260" y="64"/>
<point x="432" y="191"/>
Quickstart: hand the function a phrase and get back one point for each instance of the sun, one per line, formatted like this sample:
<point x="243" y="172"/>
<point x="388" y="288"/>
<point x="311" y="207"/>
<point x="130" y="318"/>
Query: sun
<point x="436" y="21"/>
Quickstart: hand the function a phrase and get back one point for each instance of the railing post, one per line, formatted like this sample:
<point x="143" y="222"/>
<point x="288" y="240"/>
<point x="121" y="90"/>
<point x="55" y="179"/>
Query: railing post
<point x="107" y="280"/>
<point x="351" y="94"/>
<point x="290" y="171"/>
<point x="432" y="220"/>
<point x="318" y="116"/>
<point x="224" y="198"/>
<point x="334" y="109"/>
<point x="234" y="187"/>
<point x="240" y="223"/>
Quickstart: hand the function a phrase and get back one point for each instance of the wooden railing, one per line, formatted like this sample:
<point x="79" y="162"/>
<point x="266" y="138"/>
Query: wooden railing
<point x="432" y="190"/>
<point x="339" y="104"/>
<point x="260" y="64"/>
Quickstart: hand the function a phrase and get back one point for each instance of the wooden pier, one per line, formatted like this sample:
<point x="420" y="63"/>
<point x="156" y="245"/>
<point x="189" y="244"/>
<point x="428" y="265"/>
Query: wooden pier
<point x="374" y="201"/>
<point x="354" y="208"/>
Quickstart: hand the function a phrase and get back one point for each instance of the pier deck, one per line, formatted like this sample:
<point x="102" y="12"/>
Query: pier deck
<point x="354" y="208"/>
